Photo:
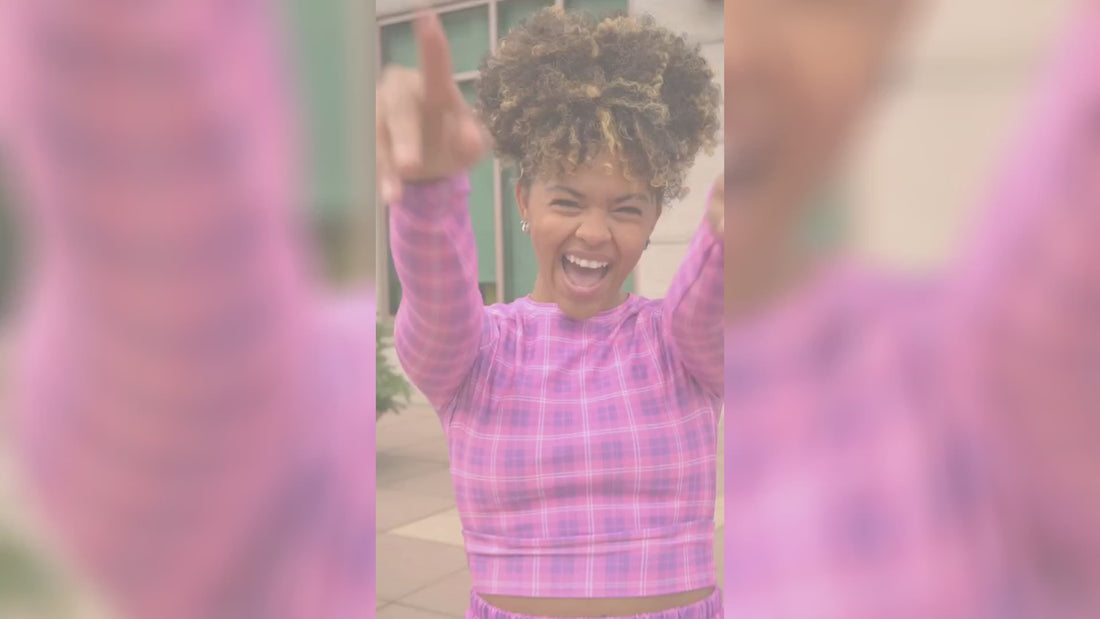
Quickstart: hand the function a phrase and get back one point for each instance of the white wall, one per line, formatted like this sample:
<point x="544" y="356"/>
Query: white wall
<point x="930" y="151"/>
<point x="702" y="22"/>
<point x="389" y="7"/>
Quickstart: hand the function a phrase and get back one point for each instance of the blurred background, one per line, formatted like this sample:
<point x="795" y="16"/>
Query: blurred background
<point x="332" y="57"/>
<point x="930" y="149"/>
<point x="923" y="164"/>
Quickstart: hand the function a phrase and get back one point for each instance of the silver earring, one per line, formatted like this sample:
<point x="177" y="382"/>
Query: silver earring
<point x="525" y="226"/>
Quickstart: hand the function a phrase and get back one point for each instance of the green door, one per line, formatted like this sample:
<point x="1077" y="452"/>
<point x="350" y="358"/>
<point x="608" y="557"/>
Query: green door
<point x="317" y="33"/>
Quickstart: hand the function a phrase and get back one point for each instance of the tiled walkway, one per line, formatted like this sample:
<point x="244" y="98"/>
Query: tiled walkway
<point x="421" y="564"/>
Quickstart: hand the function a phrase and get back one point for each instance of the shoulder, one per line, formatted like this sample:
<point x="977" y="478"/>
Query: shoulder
<point x="505" y="311"/>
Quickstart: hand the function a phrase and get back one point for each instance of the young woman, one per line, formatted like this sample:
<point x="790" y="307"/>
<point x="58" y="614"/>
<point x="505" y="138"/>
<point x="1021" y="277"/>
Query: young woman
<point x="896" y="446"/>
<point x="581" y="419"/>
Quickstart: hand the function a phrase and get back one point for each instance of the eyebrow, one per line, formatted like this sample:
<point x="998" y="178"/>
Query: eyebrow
<point x="629" y="196"/>
<point x="577" y="194"/>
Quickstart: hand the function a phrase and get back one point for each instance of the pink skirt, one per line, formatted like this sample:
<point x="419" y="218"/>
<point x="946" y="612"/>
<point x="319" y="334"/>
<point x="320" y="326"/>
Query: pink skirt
<point x="710" y="608"/>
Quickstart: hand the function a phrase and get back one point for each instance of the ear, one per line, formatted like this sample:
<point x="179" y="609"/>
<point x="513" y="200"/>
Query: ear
<point x="523" y="195"/>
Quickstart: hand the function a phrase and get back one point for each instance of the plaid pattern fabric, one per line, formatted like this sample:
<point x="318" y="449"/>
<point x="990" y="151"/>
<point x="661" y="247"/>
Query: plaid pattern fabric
<point x="710" y="608"/>
<point x="928" y="448"/>
<point x="583" y="453"/>
<point x="191" y="417"/>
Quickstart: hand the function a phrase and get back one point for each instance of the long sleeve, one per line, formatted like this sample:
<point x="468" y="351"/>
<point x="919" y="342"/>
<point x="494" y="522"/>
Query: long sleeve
<point x="1027" y="291"/>
<point x="440" y="324"/>
<point x="692" y="311"/>
<point x="166" y="313"/>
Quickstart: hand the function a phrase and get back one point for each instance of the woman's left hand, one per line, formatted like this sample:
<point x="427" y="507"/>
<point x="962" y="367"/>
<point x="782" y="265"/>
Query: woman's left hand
<point x="716" y="210"/>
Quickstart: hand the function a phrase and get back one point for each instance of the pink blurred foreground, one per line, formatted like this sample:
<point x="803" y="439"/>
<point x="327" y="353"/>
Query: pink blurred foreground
<point x="930" y="448"/>
<point x="194" y="412"/>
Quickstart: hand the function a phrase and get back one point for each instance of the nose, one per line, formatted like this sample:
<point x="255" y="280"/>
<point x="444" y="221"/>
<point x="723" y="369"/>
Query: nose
<point x="594" y="229"/>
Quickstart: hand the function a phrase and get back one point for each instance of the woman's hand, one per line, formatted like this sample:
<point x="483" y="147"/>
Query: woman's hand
<point x="424" y="128"/>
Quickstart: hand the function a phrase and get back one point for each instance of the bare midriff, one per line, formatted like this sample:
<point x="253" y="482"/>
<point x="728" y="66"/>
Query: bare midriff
<point x="601" y="607"/>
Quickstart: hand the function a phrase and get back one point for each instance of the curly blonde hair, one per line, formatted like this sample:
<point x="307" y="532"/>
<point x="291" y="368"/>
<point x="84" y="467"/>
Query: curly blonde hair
<point x="563" y="87"/>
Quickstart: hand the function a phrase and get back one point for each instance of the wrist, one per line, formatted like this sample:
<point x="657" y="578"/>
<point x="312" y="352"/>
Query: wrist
<point x="435" y="196"/>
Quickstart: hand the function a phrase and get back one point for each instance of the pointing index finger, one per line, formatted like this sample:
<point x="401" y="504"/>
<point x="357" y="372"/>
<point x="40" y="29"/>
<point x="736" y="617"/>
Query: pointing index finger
<point x="435" y="61"/>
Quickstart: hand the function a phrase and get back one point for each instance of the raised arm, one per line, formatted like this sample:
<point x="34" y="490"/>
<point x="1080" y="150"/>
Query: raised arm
<point x="439" y="325"/>
<point x="427" y="138"/>
<point x="1028" y="291"/>
<point x="693" y="306"/>
<point x="166" y="308"/>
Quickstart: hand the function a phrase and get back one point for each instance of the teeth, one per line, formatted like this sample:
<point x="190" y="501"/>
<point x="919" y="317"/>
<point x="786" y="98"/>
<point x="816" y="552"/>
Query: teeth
<point x="588" y="264"/>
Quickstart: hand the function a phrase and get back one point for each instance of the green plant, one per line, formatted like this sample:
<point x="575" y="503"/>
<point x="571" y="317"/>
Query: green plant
<point x="392" y="390"/>
<point x="28" y="585"/>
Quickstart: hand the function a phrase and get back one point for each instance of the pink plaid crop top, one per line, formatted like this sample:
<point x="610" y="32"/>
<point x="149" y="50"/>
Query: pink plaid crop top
<point x="583" y="453"/>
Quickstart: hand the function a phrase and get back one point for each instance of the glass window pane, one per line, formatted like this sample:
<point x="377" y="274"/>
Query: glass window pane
<point x="321" y="67"/>
<point x="520" y="266"/>
<point x="468" y="33"/>
<point x="598" y="7"/>
<point x="469" y="91"/>
<point x="481" y="206"/>
<point x="481" y="211"/>
<point x="511" y="12"/>
<point x="399" y="45"/>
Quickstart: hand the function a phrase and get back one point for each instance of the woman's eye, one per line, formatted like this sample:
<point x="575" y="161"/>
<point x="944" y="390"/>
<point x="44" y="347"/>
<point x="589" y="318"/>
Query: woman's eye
<point x="565" y="203"/>
<point x="630" y="210"/>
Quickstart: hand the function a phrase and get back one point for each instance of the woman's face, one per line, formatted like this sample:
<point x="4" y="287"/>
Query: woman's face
<point x="797" y="75"/>
<point x="589" y="229"/>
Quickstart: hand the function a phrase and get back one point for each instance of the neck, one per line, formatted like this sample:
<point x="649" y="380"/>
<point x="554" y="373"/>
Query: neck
<point x="543" y="293"/>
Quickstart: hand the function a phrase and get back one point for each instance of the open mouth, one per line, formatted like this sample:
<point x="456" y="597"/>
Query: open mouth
<point x="582" y="274"/>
